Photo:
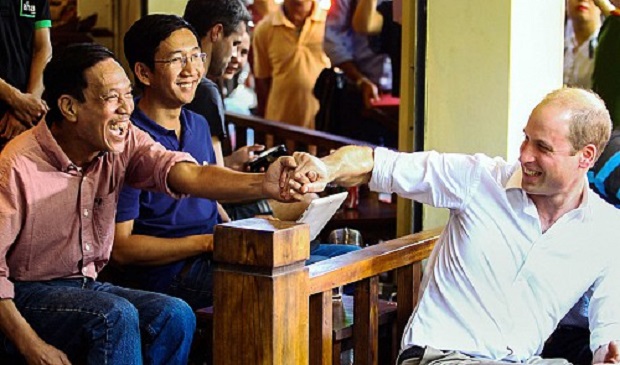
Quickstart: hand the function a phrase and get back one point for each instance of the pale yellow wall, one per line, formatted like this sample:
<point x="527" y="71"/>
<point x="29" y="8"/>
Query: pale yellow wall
<point x="167" y="6"/>
<point x="488" y="63"/>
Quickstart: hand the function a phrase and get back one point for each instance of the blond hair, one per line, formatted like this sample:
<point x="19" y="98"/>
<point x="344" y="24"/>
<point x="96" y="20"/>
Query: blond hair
<point x="589" y="119"/>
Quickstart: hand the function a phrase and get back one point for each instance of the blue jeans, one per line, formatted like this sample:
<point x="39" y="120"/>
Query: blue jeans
<point x="327" y="251"/>
<point x="195" y="286"/>
<point x="99" y="323"/>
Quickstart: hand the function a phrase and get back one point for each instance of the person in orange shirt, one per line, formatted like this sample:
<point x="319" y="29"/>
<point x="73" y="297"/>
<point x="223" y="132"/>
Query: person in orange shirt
<point x="288" y="57"/>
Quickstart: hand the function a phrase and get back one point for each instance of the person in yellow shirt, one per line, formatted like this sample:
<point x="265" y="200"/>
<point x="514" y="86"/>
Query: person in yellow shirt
<point x="288" y="58"/>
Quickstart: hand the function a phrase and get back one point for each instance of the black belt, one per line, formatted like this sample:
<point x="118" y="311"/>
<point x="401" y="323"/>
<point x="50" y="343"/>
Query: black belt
<point x="413" y="352"/>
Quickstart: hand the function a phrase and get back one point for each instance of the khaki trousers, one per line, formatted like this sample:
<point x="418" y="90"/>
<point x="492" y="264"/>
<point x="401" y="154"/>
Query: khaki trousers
<point x="433" y="356"/>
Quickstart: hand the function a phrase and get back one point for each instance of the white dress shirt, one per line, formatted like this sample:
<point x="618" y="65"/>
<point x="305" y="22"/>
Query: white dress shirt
<point x="579" y="61"/>
<point x="496" y="286"/>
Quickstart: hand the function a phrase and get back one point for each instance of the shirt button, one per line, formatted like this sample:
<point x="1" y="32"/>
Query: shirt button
<point x="85" y="212"/>
<point x="85" y="271"/>
<point x="87" y="247"/>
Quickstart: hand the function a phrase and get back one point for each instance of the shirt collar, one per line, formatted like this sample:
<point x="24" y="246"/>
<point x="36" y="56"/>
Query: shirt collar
<point x="145" y="123"/>
<point x="514" y="182"/>
<point x="318" y="15"/>
<point x="58" y="157"/>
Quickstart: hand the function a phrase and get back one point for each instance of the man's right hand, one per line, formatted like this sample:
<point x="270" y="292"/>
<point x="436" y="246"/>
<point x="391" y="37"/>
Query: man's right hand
<point x="370" y="91"/>
<point x="27" y="108"/>
<point x="311" y="173"/>
<point x="42" y="353"/>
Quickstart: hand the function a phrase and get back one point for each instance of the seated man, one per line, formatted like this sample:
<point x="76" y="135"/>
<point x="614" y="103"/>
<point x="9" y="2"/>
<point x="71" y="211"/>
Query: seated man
<point x="59" y="186"/>
<point x="524" y="240"/>
<point x="571" y="340"/>
<point x="167" y="241"/>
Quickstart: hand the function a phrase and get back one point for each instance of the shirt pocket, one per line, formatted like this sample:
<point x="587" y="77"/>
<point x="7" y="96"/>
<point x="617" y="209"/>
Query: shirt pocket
<point x="104" y="211"/>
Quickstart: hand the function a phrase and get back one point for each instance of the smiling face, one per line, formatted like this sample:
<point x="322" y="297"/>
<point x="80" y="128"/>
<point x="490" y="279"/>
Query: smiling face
<point x="170" y="82"/>
<point x="550" y="165"/>
<point x="240" y="59"/>
<point x="583" y="10"/>
<point x="102" y="120"/>
<point x="224" y="49"/>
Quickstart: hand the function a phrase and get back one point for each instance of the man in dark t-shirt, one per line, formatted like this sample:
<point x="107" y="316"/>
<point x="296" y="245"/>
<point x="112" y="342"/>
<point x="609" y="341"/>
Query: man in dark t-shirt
<point x="25" y="48"/>
<point x="220" y="24"/>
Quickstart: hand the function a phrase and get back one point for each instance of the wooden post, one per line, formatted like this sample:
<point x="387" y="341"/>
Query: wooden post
<point x="366" y="321"/>
<point x="260" y="309"/>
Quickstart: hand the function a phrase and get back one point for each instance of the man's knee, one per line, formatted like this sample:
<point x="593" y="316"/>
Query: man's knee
<point x="120" y="315"/>
<point x="176" y="316"/>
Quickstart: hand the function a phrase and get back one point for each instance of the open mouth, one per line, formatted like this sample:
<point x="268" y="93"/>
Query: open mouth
<point x="528" y="172"/>
<point x="119" y="128"/>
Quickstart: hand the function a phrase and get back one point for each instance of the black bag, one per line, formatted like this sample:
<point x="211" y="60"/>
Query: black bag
<point x="332" y="89"/>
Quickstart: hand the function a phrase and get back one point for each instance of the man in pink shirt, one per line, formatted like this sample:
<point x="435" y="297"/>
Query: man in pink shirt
<point x="59" y="186"/>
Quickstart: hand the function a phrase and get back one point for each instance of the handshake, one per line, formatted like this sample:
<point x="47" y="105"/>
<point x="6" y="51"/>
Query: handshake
<point x="303" y="173"/>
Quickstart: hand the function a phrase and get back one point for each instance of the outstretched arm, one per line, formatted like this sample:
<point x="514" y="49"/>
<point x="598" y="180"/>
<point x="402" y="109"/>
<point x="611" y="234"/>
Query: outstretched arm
<point x="348" y="166"/>
<point x="219" y="183"/>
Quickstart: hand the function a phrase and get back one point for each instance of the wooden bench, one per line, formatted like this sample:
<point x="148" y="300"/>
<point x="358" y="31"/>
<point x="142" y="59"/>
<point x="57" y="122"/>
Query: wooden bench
<point x="271" y="309"/>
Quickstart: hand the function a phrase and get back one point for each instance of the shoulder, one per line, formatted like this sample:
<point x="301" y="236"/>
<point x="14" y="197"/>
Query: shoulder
<point x="207" y="86"/>
<point x="195" y="120"/>
<point x="264" y="25"/>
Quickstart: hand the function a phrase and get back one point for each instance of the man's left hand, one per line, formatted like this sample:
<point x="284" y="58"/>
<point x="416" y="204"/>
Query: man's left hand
<point x="10" y="126"/>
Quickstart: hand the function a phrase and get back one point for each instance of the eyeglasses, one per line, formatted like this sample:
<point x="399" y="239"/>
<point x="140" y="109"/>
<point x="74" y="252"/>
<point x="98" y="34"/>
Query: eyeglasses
<point x="180" y="62"/>
<point x="114" y="98"/>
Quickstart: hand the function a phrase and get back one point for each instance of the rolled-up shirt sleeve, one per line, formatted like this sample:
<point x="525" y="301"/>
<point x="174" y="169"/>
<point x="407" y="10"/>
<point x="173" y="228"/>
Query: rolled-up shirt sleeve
<point x="338" y="44"/>
<point x="10" y="221"/>
<point x="150" y="163"/>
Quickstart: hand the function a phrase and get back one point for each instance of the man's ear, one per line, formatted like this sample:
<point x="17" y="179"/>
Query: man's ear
<point x="588" y="156"/>
<point x="143" y="73"/>
<point x="217" y="32"/>
<point x="68" y="108"/>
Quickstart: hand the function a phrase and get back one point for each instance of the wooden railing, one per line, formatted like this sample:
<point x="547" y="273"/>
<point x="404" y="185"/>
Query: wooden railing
<point x="271" y="309"/>
<point x="272" y="133"/>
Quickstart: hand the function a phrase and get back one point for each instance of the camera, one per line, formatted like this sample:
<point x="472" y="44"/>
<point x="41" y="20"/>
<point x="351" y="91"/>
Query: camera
<point x="267" y="157"/>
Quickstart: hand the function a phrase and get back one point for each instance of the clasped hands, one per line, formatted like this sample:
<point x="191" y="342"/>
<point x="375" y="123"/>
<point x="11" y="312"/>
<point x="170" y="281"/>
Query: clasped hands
<point x="301" y="174"/>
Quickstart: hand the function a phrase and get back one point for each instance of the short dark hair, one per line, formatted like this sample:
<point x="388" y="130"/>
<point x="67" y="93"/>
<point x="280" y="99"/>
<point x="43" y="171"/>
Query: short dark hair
<point x="143" y="38"/>
<point x="204" y="14"/>
<point x="65" y="74"/>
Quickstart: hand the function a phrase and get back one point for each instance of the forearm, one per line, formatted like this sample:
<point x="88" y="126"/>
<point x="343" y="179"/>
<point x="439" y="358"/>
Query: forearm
<point x="15" y="327"/>
<point x="366" y="18"/>
<point x="214" y="182"/>
<point x="150" y="250"/>
<point x="351" y="71"/>
<point x="8" y="92"/>
<point x="42" y="53"/>
<point x="350" y="165"/>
